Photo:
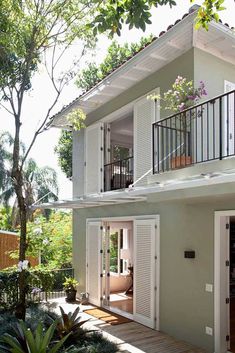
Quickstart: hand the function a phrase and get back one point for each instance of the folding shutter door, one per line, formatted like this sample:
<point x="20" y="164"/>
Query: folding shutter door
<point x="94" y="262"/>
<point x="144" y="309"/>
<point x="145" y="112"/>
<point x="94" y="158"/>
<point x="229" y="108"/>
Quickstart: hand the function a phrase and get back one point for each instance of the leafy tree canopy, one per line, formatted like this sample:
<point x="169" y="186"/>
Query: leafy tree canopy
<point x="64" y="152"/>
<point x="113" y="14"/>
<point x="52" y="239"/>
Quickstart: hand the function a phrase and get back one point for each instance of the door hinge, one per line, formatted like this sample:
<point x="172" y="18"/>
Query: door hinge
<point x="101" y="169"/>
<point x="84" y="164"/>
<point x="155" y="257"/>
<point x="227" y="300"/>
<point x="101" y="148"/>
<point x="101" y="275"/>
<point x="155" y="288"/>
<point x="101" y="251"/>
<point x="227" y="263"/>
<point x="227" y="338"/>
<point x="227" y="225"/>
<point x="101" y="227"/>
<point x="155" y="226"/>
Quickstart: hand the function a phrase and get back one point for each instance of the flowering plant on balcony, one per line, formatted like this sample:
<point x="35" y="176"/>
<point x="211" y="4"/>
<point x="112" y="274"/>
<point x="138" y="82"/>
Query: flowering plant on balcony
<point x="182" y="95"/>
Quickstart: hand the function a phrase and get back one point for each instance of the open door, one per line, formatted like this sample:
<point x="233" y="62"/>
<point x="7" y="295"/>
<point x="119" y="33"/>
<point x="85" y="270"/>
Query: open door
<point x="145" y="272"/>
<point x="146" y="112"/>
<point x="229" y="113"/>
<point x="222" y="324"/>
<point x="94" y="158"/>
<point x="94" y="262"/>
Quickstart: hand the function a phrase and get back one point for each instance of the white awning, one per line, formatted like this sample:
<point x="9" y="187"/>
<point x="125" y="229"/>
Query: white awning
<point x="141" y="193"/>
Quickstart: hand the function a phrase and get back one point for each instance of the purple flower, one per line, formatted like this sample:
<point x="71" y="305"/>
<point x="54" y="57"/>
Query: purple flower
<point x="192" y="97"/>
<point x="36" y="290"/>
<point x="181" y="107"/>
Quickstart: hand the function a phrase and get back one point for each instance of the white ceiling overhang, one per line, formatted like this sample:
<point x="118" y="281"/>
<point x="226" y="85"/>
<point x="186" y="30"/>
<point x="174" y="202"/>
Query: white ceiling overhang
<point x="142" y="194"/>
<point x="219" y="40"/>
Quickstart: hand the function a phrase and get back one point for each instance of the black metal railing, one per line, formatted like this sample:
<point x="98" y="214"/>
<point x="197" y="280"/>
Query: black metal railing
<point x="118" y="174"/>
<point x="202" y="133"/>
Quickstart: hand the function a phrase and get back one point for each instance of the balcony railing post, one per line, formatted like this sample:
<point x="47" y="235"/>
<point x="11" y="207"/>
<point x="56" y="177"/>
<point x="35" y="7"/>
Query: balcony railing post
<point x="220" y="130"/>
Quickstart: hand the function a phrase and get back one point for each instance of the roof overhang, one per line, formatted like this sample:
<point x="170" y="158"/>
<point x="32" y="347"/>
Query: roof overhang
<point x="178" y="39"/>
<point x="146" y="193"/>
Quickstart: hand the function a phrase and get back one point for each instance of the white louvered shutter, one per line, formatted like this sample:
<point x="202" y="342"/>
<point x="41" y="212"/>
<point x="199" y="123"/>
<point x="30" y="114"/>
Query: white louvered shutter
<point x="145" y="114"/>
<point x="144" y="309"/>
<point x="229" y="108"/>
<point x="94" y="158"/>
<point x="94" y="262"/>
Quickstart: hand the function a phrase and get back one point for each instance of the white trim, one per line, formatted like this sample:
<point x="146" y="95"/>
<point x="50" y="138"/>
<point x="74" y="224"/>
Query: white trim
<point x="218" y="262"/>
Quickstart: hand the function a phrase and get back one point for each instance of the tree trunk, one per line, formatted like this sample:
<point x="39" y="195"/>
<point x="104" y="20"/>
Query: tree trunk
<point x="18" y="181"/>
<point x="21" y="306"/>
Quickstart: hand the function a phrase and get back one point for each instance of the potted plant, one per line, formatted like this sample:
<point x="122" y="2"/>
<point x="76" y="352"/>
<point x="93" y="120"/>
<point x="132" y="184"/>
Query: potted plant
<point x="178" y="99"/>
<point x="70" y="285"/>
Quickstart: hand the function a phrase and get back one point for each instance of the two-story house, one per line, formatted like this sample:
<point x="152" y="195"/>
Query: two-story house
<point x="154" y="196"/>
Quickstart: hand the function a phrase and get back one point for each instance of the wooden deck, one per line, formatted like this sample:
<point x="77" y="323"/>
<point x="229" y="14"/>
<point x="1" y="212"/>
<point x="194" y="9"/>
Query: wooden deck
<point x="133" y="337"/>
<point x="136" y="338"/>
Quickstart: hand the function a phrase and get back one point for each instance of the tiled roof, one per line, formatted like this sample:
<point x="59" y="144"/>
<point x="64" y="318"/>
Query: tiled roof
<point x="191" y="10"/>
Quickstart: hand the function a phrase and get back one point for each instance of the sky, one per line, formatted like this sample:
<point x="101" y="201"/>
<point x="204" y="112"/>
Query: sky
<point x="41" y="96"/>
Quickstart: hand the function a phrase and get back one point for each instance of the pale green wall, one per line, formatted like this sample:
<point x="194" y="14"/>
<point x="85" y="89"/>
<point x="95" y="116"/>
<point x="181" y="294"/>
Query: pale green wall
<point x="213" y="71"/>
<point x="185" y="307"/>
<point x="162" y="78"/>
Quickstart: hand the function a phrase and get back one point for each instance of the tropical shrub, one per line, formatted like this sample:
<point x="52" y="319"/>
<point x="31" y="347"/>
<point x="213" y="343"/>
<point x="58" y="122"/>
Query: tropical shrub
<point x="71" y="324"/>
<point x="52" y="239"/>
<point x="24" y="340"/>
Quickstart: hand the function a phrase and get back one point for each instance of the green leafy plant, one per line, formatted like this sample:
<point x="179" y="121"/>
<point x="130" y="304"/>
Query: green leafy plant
<point x="71" y="324"/>
<point x="23" y="340"/>
<point x="70" y="284"/>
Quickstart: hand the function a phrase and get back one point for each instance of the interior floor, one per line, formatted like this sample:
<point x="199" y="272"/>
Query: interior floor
<point x="122" y="301"/>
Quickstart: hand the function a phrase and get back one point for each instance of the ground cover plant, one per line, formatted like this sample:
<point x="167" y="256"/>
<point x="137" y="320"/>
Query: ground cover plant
<point x="46" y="332"/>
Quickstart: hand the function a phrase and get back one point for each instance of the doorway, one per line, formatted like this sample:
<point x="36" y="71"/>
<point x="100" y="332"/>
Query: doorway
<point x="117" y="262"/>
<point x="123" y="256"/>
<point x="225" y="281"/>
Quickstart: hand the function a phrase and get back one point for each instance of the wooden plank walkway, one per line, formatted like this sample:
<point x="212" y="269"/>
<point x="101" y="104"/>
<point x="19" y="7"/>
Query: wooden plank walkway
<point x="133" y="337"/>
<point x="136" y="338"/>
